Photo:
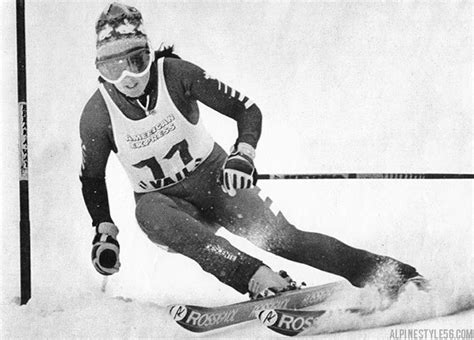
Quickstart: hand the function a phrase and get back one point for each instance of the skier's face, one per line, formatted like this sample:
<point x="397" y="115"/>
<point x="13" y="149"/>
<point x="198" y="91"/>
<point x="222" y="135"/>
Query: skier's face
<point x="133" y="86"/>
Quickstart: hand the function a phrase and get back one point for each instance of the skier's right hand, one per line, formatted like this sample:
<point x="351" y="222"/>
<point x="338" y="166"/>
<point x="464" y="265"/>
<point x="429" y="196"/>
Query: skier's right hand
<point x="106" y="249"/>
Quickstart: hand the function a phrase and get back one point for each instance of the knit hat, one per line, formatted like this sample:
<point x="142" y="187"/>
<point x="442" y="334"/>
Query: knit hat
<point x="119" y="29"/>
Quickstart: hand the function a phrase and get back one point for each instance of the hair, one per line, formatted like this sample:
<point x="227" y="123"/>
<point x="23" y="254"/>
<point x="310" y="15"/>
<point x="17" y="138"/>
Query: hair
<point x="166" y="52"/>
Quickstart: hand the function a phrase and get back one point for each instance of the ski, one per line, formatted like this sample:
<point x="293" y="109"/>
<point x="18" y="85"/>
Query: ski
<point x="293" y="322"/>
<point x="203" y="319"/>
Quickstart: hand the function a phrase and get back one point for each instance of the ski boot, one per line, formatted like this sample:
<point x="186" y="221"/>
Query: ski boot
<point x="392" y="277"/>
<point x="265" y="282"/>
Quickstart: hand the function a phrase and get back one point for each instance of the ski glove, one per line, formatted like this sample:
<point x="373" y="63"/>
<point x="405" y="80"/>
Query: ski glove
<point x="106" y="249"/>
<point x="238" y="171"/>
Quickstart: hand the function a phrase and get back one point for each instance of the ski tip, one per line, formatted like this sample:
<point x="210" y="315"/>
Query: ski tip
<point x="420" y="282"/>
<point x="268" y="317"/>
<point x="177" y="312"/>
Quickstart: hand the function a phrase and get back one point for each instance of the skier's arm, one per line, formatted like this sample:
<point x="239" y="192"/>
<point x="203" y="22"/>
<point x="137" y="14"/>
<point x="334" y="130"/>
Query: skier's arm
<point x="238" y="170"/>
<point x="96" y="147"/>
<point x="199" y="85"/>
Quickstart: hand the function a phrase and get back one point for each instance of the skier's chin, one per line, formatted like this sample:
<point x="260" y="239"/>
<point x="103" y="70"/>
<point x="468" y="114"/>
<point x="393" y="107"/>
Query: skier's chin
<point x="133" y="87"/>
<point x="133" y="92"/>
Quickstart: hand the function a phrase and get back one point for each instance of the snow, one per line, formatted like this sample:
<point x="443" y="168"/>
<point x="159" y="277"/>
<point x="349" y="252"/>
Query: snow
<point x="343" y="86"/>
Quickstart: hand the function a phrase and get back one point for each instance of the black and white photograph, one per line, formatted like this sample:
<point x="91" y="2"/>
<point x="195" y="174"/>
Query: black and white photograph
<point x="237" y="169"/>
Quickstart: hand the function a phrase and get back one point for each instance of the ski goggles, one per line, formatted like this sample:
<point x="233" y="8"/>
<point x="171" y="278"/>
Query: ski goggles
<point x="135" y="63"/>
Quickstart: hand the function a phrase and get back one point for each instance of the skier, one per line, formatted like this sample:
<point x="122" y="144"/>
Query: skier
<point x="145" y="110"/>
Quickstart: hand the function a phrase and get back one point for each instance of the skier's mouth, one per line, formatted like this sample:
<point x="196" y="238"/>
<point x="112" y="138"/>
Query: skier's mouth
<point x="131" y="87"/>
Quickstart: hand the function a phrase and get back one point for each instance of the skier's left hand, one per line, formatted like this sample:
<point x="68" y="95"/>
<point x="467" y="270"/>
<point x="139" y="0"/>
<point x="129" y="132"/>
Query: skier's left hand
<point x="239" y="171"/>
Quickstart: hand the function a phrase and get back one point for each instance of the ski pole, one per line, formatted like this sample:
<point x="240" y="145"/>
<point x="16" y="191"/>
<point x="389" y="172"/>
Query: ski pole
<point x="367" y="176"/>
<point x="25" y="252"/>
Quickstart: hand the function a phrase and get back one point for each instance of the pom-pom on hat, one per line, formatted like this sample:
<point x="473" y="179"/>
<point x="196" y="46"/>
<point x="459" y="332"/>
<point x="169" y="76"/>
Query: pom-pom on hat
<point x="119" y="29"/>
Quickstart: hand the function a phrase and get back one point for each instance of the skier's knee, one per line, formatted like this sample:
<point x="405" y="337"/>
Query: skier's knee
<point x="154" y="212"/>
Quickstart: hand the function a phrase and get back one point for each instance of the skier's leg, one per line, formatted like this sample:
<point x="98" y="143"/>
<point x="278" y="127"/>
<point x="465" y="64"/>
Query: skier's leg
<point x="250" y="216"/>
<point x="165" y="223"/>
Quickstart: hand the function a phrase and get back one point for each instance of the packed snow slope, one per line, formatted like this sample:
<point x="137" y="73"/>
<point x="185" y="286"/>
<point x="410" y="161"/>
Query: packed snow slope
<point x="343" y="87"/>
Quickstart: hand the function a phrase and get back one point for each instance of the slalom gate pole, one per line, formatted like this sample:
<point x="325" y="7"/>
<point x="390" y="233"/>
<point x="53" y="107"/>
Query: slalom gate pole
<point x="25" y="256"/>
<point x="367" y="176"/>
